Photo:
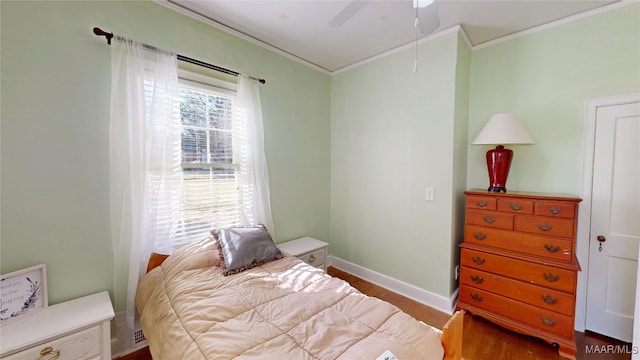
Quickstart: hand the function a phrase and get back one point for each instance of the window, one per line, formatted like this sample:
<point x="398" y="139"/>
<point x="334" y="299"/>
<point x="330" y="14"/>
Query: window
<point x="210" y="190"/>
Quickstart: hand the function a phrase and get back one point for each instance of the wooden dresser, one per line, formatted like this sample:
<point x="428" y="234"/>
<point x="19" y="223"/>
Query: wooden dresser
<point x="518" y="264"/>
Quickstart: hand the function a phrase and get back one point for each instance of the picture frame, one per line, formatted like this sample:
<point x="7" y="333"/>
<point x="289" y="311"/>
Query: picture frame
<point x="23" y="292"/>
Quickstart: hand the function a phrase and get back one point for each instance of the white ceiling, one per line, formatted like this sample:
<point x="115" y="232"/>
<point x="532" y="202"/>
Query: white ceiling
<point x="301" y="28"/>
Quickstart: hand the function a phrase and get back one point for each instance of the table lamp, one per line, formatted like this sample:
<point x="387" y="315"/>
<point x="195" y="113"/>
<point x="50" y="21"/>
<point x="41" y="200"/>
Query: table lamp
<point x="501" y="129"/>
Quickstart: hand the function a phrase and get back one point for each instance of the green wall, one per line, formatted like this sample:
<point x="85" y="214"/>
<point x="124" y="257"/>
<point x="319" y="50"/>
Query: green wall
<point x="545" y="78"/>
<point x="394" y="133"/>
<point x="460" y="149"/>
<point x="349" y="155"/>
<point x="392" y="136"/>
<point x="55" y="120"/>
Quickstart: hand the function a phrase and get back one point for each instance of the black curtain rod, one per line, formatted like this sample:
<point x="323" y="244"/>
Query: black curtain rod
<point x="109" y="36"/>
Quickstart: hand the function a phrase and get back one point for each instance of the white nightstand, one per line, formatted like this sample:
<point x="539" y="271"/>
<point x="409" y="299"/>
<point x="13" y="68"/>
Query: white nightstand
<point x="76" y="329"/>
<point x="312" y="251"/>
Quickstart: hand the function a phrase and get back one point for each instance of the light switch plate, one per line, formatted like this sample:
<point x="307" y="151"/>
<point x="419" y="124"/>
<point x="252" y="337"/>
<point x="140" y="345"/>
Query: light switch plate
<point x="430" y="194"/>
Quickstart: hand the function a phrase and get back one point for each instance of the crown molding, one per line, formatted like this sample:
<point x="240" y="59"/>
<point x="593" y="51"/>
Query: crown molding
<point x="465" y="37"/>
<point x="556" y="23"/>
<point x="400" y="48"/>
<point x="229" y="30"/>
<point x="196" y="16"/>
<point x="457" y="28"/>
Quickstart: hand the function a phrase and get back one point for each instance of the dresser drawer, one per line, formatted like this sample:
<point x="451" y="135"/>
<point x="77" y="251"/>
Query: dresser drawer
<point x="490" y="218"/>
<point x="553" y="300"/>
<point x="315" y="258"/>
<point x="481" y="202"/>
<point x="545" y="226"/>
<point x="534" y="273"/>
<point x="540" y="318"/>
<point x="515" y="205"/>
<point x="82" y="345"/>
<point x="552" y="248"/>
<point x="555" y="209"/>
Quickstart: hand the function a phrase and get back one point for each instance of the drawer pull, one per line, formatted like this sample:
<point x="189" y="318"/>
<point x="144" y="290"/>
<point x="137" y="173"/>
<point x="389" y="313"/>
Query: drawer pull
<point x="477" y="298"/>
<point x="548" y="321"/>
<point x="489" y="219"/>
<point x="312" y="259"/>
<point x="48" y="351"/>
<point x="481" y="204"/>
<point x="549" y="300"/>
<point x="477" y="279"/>
<point x="555" y="211"/>
<point x="552" y="249"/>
<point x="551" y="278"/>
<point x="544" y="227"/>
<point x="479" y="235"/>
<point x="515" y="207"/>
<point x="478" y="260"/>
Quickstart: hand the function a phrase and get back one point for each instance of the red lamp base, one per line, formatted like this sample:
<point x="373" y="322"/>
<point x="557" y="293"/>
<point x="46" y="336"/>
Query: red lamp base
<point x="498" y="164"/>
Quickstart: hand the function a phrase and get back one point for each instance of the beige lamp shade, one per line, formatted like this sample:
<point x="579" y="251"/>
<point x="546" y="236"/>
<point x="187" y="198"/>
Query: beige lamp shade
<point x="501" y="129"/>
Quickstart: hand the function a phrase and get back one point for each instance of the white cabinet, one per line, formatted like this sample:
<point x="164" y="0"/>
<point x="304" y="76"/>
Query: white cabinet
<point x="309" y="250"/>
<point x="74" y="330"/>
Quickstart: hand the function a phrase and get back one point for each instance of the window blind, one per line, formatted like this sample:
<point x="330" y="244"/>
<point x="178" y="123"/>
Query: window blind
<point x="210" y="188"/>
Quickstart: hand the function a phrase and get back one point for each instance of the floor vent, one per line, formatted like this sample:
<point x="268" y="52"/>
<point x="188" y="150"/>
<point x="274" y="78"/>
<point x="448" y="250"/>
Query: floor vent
<point x="138" y="339"/>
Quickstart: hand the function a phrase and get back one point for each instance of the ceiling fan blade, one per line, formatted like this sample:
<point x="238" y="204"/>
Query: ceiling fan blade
<point x="347" y="13"/>
<point x="429" y="18"/>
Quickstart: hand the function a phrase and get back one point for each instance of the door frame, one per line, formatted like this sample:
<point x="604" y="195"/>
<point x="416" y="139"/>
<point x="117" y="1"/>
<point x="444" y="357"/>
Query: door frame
<point x="584" y="214"/>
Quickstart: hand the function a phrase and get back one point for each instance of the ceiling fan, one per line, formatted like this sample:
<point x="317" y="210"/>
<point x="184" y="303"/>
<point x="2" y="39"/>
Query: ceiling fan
<point x="427" y="16"/>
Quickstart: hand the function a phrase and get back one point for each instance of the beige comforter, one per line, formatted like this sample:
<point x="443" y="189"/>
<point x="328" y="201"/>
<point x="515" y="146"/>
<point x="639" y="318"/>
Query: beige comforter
<point x="284" y="309"/>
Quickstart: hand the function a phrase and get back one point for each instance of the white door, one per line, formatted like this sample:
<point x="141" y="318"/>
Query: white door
<point x="615" y="222"/>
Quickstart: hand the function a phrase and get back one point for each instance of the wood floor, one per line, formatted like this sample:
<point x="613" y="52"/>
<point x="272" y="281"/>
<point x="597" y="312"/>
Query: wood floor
<point x="482" y="339"/>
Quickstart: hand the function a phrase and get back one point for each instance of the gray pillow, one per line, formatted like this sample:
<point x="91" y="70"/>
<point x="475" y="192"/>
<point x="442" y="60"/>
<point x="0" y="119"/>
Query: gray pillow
<point x="245" y="247"/>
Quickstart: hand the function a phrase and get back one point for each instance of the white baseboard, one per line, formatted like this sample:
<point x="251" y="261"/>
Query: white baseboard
<point x="436" y="301"/>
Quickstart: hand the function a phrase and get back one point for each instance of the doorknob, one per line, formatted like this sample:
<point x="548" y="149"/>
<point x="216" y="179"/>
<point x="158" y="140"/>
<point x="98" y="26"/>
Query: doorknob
<point x="601" y="239"/>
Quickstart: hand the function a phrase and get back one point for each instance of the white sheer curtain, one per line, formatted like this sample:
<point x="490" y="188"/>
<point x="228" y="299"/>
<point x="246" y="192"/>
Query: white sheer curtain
<point x="144" y="144"/>
<point x="145" y="162"/>
<point x="254" y="174"/>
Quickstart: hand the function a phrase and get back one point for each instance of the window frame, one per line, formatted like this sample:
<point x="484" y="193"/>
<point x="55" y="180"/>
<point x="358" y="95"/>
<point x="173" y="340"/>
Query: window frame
<point x="207" y="84"/>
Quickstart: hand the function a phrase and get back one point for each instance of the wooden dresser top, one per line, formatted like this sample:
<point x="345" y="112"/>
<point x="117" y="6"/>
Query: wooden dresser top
<point x="523" y="194"/>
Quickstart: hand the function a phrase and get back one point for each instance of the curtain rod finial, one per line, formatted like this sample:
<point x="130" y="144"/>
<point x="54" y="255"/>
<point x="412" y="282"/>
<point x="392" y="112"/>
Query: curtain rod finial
<point x="100" y="32"/>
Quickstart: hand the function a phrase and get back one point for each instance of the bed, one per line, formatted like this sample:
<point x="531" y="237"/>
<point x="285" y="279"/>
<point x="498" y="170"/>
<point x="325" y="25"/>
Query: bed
<point x="280" y="309"/>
